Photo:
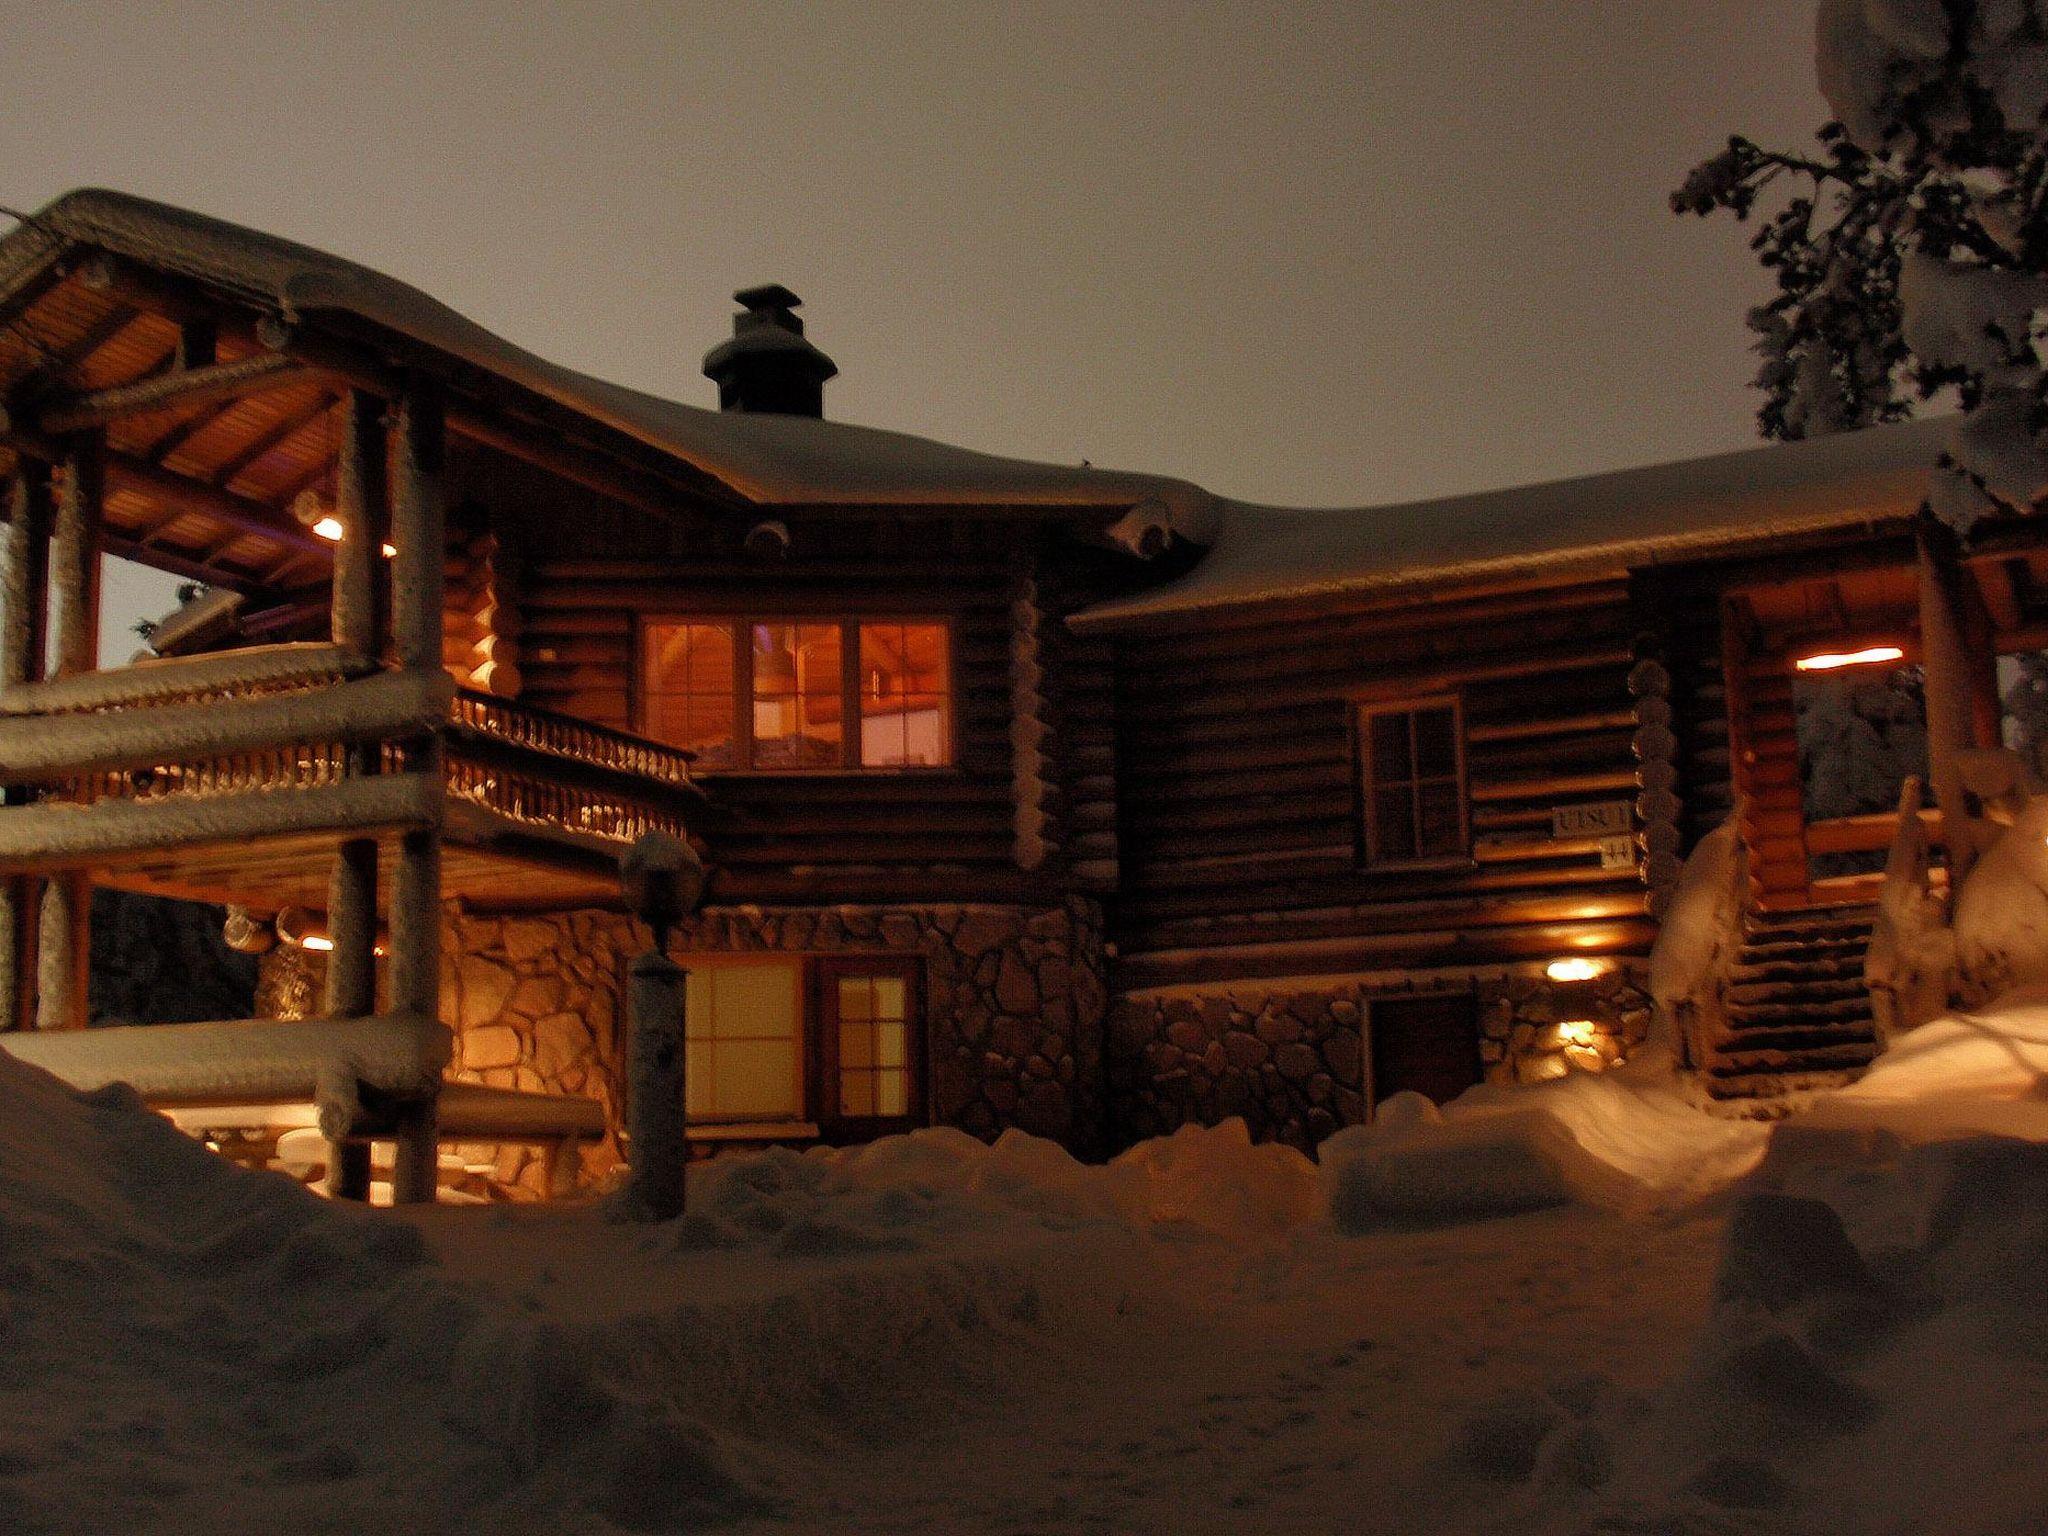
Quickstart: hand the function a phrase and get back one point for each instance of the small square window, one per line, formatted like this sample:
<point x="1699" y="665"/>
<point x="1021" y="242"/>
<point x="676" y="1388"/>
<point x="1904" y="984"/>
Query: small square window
<point x="1412" y="782"/>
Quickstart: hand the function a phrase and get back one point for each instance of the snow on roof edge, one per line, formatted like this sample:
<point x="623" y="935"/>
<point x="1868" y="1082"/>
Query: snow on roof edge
<point x="772" y="460"/>
<point x="1682" y="510"/>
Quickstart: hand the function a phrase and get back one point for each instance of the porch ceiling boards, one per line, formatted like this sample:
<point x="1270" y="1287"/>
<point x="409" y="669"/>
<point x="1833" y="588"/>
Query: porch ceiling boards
<point x="188" y="479"/>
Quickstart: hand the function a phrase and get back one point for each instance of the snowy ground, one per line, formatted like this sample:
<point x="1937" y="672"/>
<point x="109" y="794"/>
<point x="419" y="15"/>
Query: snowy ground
<point x="930" y="1336"/>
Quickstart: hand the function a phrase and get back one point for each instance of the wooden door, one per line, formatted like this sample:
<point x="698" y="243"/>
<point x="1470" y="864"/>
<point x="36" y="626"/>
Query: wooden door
<point x="1426" y="1044"/>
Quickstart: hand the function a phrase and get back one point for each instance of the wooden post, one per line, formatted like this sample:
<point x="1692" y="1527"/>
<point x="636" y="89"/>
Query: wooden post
<point x="658" y="1136"/>
<point x="75" y="559"/>
<point x="24" y="614"/>
<point x="63" y="952"/>
<point x="418" y="528"/>
<point x="25" y="575"/>
<point x="360" y="499"/>
<point x="1944" y="655"/>
<point x="417" y="578"/>
<point x="352" y="926"/>
<point x="348" y="1170"/>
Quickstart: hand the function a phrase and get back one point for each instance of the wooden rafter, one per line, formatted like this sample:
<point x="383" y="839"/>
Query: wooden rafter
<point x="182" y="433"/>
<point x="171" y="489"/>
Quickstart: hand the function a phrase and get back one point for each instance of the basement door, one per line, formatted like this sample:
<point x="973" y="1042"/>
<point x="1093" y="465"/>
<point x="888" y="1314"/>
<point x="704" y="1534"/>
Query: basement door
<point x="1429" y="1045"/>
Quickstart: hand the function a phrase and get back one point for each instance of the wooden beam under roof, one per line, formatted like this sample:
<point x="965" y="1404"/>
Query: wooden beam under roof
<point x="172" y="489"/>
<point x="167" y="391"/>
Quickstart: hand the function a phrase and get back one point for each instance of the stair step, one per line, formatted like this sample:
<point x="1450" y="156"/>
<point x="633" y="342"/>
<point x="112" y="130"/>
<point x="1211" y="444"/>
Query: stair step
<point x="1753" y="1014"/>
<point x="1845" y="966"/>
<point x="1756" y="953"/>
<point x="1805" y="1058"/>
<point x="1788" y="1045"/>
<point x="1798" y="1035"/>
<point x="1817" y="990"/>
<point x="1777" y="1085"/>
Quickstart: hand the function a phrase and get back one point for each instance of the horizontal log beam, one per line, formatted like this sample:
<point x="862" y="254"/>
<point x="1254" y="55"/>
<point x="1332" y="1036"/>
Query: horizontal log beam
<point x="167" y="391"/>
<point x="175" y="491"/>
<point x="39" y="750"/>
<point x="51" y="837"/>
<point x="174" y="677"/>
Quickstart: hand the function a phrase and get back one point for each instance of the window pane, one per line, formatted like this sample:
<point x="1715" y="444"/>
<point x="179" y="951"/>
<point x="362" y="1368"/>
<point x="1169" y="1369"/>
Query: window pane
<point x="686" y="688"/>
<point x="856" y="1045"/>
<point x="889" y="1045"/>
<point x="754" y="1077"/>
<point x="1436" y="744"/>
<point x="856" y="999"/>
<point x="753" y="1001"/>
<point x="697" y="1098"/>
<point x="1393" y="814"/>
<point x="904" y="696"/>
<point x="1438" y="832"/>
<point x="798" y="683"/>
<point x="1387" y="737"/>
<point x="857" y="1093"/>
<point x="889" y="997"/>
<point x="892" y="1093"/>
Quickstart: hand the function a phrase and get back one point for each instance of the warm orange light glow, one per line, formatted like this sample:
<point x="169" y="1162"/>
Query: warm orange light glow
<point x="329" y="528"/>
<point x="1828" y="661"/>
<point x="1579" y="1032"/>
<point x="390" y="550"/>
<point x="1576" y="968"/>
<point x="318" y="941"/>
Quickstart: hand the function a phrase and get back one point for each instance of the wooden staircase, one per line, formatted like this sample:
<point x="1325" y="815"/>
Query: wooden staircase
<point x="1798" y="1013"/>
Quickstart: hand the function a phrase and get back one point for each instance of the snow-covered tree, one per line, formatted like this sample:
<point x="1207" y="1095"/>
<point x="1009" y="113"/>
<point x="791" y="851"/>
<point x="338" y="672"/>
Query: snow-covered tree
<point x="1911" y="248"/>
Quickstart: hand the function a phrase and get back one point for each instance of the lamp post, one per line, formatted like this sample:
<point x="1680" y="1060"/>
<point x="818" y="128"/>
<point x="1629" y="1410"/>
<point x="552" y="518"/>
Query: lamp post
<point x="663" y="880"/>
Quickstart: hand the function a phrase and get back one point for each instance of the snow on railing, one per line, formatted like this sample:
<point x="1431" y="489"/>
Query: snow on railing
<point x="540" y="730"/>
<point x="542" y="802"/>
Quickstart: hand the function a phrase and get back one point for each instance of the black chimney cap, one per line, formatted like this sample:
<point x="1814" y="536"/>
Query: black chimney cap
<point x="767" y="365"/>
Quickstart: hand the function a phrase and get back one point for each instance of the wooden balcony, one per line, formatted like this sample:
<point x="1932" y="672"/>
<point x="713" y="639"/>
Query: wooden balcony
<point x="233" y="777"/>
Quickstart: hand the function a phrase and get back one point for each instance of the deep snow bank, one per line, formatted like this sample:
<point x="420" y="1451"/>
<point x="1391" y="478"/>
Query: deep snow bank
<point x="189" y="1346"/>
<point x="1872" y="1362"/>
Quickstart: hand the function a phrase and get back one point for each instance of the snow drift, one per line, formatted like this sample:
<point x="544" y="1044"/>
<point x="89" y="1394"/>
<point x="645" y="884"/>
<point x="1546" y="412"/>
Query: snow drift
<point x="1626" y="1141"/>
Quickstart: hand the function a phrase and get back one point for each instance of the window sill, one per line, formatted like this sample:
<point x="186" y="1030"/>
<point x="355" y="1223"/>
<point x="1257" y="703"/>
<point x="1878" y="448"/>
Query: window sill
<point x="1449" y="865"/>
<point x="753" y="1130"/>
<point x="941" y="771"/>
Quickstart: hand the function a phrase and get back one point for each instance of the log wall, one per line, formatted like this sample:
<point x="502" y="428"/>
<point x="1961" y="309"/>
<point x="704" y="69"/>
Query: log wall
<point x="1238" y="825"/>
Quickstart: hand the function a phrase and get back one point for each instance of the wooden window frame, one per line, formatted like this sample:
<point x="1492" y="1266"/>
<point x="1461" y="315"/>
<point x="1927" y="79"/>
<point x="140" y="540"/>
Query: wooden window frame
<point x="826" y="973"/>
<point x="741" y="623"/>
<point x="1363" y="712"/>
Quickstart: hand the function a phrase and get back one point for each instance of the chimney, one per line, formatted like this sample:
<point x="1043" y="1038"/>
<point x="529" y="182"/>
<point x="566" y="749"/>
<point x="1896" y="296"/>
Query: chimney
<point x="768" y="366"/>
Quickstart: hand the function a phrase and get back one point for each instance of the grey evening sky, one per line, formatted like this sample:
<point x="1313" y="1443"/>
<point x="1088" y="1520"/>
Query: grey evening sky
<point x="1310" y="254"/>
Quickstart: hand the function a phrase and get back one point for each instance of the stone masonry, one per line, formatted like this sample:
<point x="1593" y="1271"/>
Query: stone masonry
<point x="1291" y="1056"/>
<point x="1013" y="1005"/>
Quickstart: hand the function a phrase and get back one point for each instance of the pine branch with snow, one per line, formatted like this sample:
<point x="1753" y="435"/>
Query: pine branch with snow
<point x="1910" y="251"/>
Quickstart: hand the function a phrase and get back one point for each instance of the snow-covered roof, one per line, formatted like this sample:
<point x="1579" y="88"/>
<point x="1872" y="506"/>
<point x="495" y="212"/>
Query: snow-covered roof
<point x="785" y="460"/>
<point x="1256" y="553"/>
<point x="1626" y="518"/>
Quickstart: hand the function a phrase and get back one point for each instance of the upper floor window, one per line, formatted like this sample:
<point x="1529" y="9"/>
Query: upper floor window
<point x="788" y="694"/>
<point x="1412" y="779"/>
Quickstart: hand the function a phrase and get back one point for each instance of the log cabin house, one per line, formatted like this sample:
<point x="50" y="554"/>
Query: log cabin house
<point x="1035" y="796"/>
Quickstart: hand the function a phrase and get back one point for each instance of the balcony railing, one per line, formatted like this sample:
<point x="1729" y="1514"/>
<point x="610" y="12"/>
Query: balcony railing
<point x="156" y="739"/>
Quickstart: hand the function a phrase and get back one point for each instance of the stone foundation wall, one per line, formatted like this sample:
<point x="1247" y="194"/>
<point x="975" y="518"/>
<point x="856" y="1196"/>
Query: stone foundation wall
<point x="1291" y="1056"/>
<point x="1013" y="1005"/>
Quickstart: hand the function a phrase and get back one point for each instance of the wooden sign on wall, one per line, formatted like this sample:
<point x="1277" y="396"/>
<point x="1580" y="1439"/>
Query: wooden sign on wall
<point x="1604" y="819"/>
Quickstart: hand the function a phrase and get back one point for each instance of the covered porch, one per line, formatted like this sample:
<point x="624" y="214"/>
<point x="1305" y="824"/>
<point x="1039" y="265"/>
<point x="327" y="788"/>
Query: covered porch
<point x="358" y="759"/>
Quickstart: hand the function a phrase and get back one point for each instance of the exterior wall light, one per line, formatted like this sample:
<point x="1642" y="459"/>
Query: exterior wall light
<point x="1576" y="968"/>
<point x="1828" y="661"/>
<point x="1577" y="1032"/>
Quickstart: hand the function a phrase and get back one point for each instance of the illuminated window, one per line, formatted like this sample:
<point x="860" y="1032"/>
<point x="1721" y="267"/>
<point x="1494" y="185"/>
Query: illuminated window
<point x="688" y="697"/>
<point x="744" y="1045"/>
<point x="1412" y="779"/>
<point x="871" y="1036"/>
<point x="776" y="693"/>
<point x="903" y="696"/>
<point x="799" y="691"/>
